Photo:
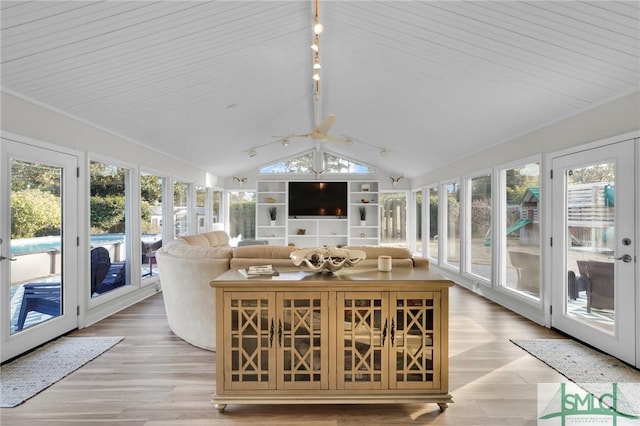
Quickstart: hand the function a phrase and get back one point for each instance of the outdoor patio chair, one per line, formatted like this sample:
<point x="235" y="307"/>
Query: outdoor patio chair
<point x="599" y="281"/>
<point x="105" y="276"/>
<point x="39" y="297"/>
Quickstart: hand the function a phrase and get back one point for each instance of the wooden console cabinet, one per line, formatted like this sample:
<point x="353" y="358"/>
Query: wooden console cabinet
<point x="354" y="336"/>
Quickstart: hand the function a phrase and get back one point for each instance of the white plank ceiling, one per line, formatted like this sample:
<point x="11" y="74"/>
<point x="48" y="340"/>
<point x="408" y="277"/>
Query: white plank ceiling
<point x="430" y="81"/>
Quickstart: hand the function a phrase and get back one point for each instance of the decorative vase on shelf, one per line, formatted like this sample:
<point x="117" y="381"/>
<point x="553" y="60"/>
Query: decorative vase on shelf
<point x="363" y="223"/>
<point x="363" y="216"/>
<point x="273" y="213"/>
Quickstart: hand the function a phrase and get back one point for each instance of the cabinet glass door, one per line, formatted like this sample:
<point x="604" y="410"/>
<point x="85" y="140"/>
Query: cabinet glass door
<point x="250" y="324"/>
<point x="414" y="339"/>
<point x="302" y="340"/>
<point x="363" y="328"/>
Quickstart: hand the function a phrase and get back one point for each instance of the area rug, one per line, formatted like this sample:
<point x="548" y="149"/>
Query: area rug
<point x="30" y="374"/>
<point x="590" y="369"/>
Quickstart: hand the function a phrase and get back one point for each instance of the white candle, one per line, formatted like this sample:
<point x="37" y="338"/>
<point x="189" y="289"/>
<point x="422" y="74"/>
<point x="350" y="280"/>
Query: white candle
<point x="384" y="263"/>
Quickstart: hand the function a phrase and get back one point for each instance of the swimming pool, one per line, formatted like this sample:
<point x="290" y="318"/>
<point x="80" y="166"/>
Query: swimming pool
<point x="39" y="244"/>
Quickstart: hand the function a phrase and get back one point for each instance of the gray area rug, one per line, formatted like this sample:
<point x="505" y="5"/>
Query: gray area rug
<point x="30" y="374"/>
<point x="590" y="369"/>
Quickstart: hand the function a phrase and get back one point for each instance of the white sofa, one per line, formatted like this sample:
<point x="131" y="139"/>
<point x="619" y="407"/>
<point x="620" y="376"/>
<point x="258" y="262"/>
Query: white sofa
<point x="187" y="265"/>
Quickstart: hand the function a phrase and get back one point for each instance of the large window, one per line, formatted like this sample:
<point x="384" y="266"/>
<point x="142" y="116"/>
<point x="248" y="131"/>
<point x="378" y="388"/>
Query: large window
<point x="181" y="194"/>
<point x="417" y="196"/>
<point x="521" y="232"/>
<point x="452" y="228"/>
<point x="216" y="209"/>
<point x="393" y="220"/>
<point x="110" y="235"/>
<point x="200" y="212"/>
<point x="242" y="215"/>
<point x="151" y="220"/>
<point x="432" y="220"/>
<point x="479" y="230"/>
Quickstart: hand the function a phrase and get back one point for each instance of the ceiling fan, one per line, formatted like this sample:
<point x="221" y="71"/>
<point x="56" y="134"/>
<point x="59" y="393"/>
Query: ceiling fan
<point x="321" y="133"/>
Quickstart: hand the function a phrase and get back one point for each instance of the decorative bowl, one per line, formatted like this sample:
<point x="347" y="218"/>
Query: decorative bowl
<point x="325" y="258"/>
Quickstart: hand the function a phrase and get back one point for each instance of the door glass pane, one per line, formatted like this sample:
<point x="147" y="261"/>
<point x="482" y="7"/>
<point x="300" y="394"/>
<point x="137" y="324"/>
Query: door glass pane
<point x="590" y="219"/>
<point x="481" y="226"/>
<point x="152" y="214"/>
<point x="453" y="224"/>
<point x="393" y="223"/>
<point x="433" y="222"/>
<point x="36" y="230"/>
<point x="109" y="185"/>
<point x="522" y="229"/>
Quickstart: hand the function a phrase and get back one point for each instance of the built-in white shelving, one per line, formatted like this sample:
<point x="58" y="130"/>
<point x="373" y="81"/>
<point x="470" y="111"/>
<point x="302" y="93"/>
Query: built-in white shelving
<point x="318" y="232"/>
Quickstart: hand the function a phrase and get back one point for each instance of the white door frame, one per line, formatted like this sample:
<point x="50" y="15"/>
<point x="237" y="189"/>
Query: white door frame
<point x="623" y="342"/>
<point x="17" y="148"/>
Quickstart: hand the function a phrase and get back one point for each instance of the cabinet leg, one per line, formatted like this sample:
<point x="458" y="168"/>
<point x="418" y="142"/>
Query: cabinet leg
<point x="221" y="407"/>
<point x="443" y="406"/>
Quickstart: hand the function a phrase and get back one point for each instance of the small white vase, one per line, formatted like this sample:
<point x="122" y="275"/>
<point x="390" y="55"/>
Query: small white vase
<point x="363" y="223"/>
<point x="273" y="223"/>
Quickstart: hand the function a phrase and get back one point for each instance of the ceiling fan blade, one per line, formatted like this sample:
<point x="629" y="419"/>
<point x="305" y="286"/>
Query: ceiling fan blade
<point x="336" y="139"/>
<point x="324" y="127"/>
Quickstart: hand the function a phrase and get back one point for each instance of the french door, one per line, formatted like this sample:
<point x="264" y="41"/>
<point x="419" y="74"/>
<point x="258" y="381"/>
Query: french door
<point x="594" y="248"/>
<point x="38" y="246"/>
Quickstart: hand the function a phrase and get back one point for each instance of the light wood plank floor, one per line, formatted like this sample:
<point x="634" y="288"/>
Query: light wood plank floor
<point x="153" y="378"/>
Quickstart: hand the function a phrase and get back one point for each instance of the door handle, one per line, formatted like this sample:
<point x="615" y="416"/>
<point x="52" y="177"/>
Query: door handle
<point x="626" y="258"/>
<point x="13" y="259"/>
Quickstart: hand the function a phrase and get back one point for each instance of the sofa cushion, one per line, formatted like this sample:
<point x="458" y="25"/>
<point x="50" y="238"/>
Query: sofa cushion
<point x="207" y="239"/>
<point x="181" y="248"/>
<point x="373" y="252"/>
<point x="264" y="252"/>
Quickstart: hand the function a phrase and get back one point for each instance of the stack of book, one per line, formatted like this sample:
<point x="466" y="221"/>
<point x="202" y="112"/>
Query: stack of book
<point x="261" y="271"/>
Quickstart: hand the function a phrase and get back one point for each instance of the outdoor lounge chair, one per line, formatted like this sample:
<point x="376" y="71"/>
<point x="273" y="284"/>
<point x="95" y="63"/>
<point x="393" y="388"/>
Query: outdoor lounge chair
<point x="39" y="297"/>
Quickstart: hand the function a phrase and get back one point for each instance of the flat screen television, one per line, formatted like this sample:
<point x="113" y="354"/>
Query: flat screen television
<point x="317" y="199"/>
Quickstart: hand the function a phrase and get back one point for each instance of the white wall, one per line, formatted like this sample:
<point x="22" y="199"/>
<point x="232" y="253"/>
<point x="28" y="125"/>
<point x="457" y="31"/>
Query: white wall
<point x="614" y="118"/>
<point x="29" y="119"/>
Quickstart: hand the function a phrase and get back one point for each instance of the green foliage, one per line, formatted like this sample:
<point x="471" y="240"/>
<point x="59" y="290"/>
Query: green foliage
<point x="34" y="213"/>
<point x="32" y="175"/>
<point x="107" y="180"/>
<point x="107" y="214"/>
<point x="151" y="189"/>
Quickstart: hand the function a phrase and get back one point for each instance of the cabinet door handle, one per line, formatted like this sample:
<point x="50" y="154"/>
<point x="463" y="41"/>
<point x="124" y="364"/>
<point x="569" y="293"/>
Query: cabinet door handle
<point x="280" y="333"/>
<point x="271" y="330"/>
<point x="393" y="332"/>
<point x="384" y="331"/>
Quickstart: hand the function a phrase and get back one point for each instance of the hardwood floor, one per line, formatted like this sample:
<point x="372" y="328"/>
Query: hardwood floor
<point x="153" y="378"/>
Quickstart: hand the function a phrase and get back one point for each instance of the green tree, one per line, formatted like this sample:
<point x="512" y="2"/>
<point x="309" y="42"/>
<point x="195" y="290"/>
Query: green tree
<point x="107" y="214"/>
<point x="34" y="213"/>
